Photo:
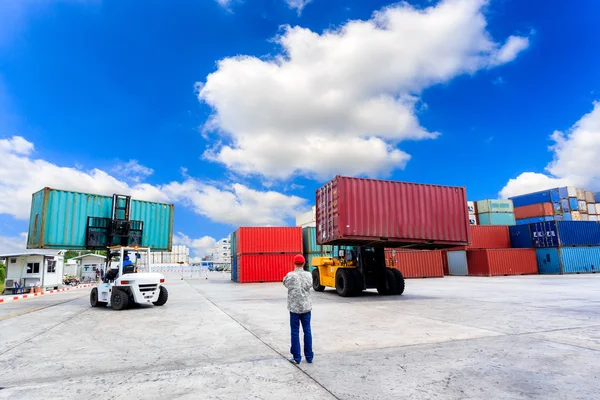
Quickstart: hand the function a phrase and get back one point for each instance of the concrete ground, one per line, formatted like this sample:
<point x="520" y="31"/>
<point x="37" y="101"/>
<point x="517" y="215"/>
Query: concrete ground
<point x="528" y="337"/>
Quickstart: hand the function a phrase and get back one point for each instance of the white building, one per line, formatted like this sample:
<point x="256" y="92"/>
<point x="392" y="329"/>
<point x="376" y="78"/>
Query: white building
<point x="88" y="264"/>
<point x="221" y="254"/>
<point x="307" y="219"/>
<point x="33" y="268"/>
<point x="178" y="255"/>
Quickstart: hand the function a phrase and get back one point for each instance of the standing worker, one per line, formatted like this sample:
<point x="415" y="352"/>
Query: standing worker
<point x="299" y="282"/>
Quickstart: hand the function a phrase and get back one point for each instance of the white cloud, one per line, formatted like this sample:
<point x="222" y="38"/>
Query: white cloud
<point x="133" y="171"/>
<point x="21" y="175"/>
<point x="575" y="163"/>
<point x="13" y="244"/>
<point x="341" y="101"/>
<point x="198" y="247"/>
<point x="236" y="204"/>
<point x="298" y="5"/>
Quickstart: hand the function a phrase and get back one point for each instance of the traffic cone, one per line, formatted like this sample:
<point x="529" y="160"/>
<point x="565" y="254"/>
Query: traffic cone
<point x="31" y="289"/>
<point x="39" y="289"/>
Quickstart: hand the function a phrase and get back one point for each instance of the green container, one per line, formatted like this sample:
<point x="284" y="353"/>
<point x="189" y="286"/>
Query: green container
<point x="309" y="242"/>
<point x="58" y="220"/>
<point x="497" y="219"/>
<point x="495" y="206"/>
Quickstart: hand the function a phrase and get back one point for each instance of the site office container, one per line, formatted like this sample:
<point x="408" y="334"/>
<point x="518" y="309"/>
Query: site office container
<point x="59" y="218"/>
<point x="565" y="233"/>
<point x="520" y="237"/>
<point x="255" y="240"/>
<point x="494" y="206"/>
<point x="353" y="211"/>
<point x="568" y="260"/>
<point x="544" y="196"/>
<point x="534" y="210"/>
<point x="254" y="268"/>
<point x="309" y="241"/>
<point x="416" y="263"/>
<point x="489" y="237"/>
<point x="494" y="262"/>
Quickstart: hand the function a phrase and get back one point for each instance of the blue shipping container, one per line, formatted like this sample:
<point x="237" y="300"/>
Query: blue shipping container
<point x="534" y="220"/>
<point x="597" y="197"/>
<point x="573" y="204"/>
<point x="234" y="270"/>
<point x="309" y="242"/>
<point x="563" y="192"/>
<point x="520" y="237"/>
<point x="564" y="205"/>
<point x="567" y="217"/>
<point x="565" y="233"/>
<point x="58" y="220"/>
<point x="568" y="260"/>
<point x="557" y="209"/>
<point x="497" y="219"/>
<point x="545" y="196"/>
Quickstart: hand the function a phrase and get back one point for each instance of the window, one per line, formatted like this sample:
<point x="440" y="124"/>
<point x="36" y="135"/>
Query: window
<point x="13" y="260"/>
<point x="33" y="268"/>
<point x="51" y="266"/>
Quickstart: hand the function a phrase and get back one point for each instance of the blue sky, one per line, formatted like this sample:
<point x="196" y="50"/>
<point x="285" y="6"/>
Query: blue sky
<point x="193" y="103"/>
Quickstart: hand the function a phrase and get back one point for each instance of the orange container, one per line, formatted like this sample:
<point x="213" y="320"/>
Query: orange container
<point x="534" y="211"/>
<point x="494" y="262"/>
<point x="489" y="237"/>
<point x="416" y="263"/>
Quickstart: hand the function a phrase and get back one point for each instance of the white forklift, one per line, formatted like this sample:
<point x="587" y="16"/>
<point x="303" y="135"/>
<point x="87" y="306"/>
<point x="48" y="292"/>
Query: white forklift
<point x="126" y="282"/>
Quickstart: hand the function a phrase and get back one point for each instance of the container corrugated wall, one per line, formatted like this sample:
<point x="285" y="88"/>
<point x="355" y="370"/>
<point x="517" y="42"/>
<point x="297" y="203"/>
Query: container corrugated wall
<point x="309" y="241"/>
<point x="254" y="268"/>
<point x="568" y="260"/>
<point x="534" y="210"/>
<point x="252" y="240"/>
<point x="565" y="233"/>
<point x="495" y="262"/>
<point x="367" y="211"/>
<point x="234" y="269"/>
<point x="494" y="206"/>
<point x="544" y="196"/>
<point x="58" y="219"/>
<point x="496" y="219"/>
<point x="416" y="263"/>
<point x="457" y="263"/>
<point x="520" y="237"/>
<point x="489" y="237"/>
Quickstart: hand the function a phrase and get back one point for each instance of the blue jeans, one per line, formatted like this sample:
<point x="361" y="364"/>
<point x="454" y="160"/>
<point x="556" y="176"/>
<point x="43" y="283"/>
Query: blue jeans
<point x="295" y="320"/>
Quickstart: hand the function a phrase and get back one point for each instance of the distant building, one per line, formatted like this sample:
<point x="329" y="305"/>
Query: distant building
<point x="179" y="255"/>
<point x="221" y="254"/>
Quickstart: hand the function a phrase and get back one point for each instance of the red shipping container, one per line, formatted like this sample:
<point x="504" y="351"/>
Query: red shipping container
<point x="258" y="240"/>
<point x="264" y="267"/>
<point x="489" y="237"/>
<point x="493" y="262"/>
<point x="352" y="211"/>
<point x="445" y="263"/>
<point x="534" y="211"/>
<point x="416" y="263"/>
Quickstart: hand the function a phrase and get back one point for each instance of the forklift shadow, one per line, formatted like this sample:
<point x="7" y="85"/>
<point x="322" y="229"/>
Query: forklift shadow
<point x="370" y="295"/>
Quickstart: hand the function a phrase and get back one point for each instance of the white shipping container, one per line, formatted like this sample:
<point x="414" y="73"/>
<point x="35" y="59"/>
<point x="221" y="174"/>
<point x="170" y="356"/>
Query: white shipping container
<point x="308" y="218"/>
<point x="457" y="263"/>
<point x="597" y="209"/>
<point x="591" y="208"/>
<point x="472" y="219"/>
<point x="585" y="217"/>
<point x="471" y="207"/>
<point x="572" y="191"/>
<point x="575" y="215"/>
<point x="580" y="194"/>
<point x="594" y="218"/>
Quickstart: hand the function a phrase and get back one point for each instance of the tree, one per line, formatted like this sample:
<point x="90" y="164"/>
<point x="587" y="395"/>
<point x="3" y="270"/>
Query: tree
<point x="2" y="273"/>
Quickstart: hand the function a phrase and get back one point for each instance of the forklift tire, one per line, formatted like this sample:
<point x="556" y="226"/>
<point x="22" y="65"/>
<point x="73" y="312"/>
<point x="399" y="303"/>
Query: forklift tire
<point x="94" y="299"/>
<point x="163" y="296"/>
<point x="359" y="281"/>
<point x="344" y="282"/>
<point x="387" y="283"/>
<point x="399" y="281"/>
<point x="317" y="287"/>
<point x="119" y="300"/>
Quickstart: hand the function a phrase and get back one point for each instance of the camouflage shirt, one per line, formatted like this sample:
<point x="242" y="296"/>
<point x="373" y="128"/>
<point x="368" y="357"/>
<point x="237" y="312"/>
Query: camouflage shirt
<point x="298" y="283"/>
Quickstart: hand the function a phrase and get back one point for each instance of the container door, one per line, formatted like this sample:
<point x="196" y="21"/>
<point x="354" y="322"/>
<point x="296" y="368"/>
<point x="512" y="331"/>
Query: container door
<point x="564" y="205"/>
<point x="457" y="263"/>
<point x="548" y="261"/>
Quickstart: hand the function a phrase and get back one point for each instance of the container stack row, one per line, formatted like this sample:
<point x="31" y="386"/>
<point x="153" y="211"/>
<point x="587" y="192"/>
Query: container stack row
<point x="416" y="263"/>
<point x="264" y="254"/>
<point x="561" y="247"/>
<point x="558" y="204"/>
<point x="490" y="254"/>
<point x="493" y="212"/>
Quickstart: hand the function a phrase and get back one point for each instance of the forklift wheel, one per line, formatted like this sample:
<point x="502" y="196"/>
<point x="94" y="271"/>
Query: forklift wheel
<point x="344" y="282"/>
<point x="316" y="281"/>
<point x="399" y="282"/>
<point x="359" y="281"/>
<point x="119" y="299"/>
<point x="163" y="296"/>
<point x="94" y="299"/>
<point x="387" y="283"/>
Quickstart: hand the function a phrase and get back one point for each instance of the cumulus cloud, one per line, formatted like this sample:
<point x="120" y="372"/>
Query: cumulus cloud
<point x="575" y="161"/>
<point x="198" y="247"/>
<point x="341" y="101"/>
<point x="21" y="175"/>
<point x="236" y="204"/>
<point x="133" y="171"/>
<point x="297" y="5"/>
<point x="13" y="244"/>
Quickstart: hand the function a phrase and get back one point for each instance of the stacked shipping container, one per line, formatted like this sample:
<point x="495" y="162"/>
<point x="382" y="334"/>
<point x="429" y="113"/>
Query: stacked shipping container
<point x="416" y="263"/>
<point x="495" y="212"/>
<point x="264" y="254"/>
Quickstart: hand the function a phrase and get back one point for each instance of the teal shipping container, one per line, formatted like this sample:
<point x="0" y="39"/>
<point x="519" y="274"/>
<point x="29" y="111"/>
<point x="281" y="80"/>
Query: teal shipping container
<point x="233" y="244"/>
<point x="497" y="219"/>
<point x="309" y="242"/>
<point x="58" y="220"/>
<point x="495" y="206"/>
<point x="309" y="258"/>
<point x="568" y="260"/>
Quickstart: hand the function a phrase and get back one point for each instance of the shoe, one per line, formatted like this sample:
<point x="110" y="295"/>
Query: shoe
<point x="309" y="361"/>
<point x="293" y="361"/>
